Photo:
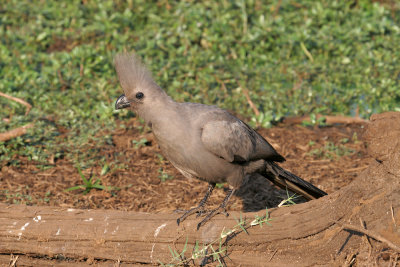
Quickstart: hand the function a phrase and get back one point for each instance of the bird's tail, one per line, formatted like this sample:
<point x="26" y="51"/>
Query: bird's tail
<point x="286" y="179"/>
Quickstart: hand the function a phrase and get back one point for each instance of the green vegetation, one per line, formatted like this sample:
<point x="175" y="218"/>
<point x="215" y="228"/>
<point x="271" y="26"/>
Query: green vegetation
<point x="140" y="143"/>
<point x="18" y="197"/>
<point x="332" y="150"/>
<point x="289" y="201"/>
<point x="216" y="250"/>
<point x="164" y="175"/>
<point x="290" y="57"/>
<point x="89" y="184"/>
<point x="22" y="195"/>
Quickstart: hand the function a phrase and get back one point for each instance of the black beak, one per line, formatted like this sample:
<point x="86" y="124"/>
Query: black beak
<point x="122" y="102"/>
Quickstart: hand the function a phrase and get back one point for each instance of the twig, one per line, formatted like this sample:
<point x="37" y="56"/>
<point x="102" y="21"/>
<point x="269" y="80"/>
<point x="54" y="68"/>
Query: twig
<point x="15" y="132"/>
<point x="117" y="263"/>
<point x="356" y="169"/>
<point x="366" y="237"/>
<point x="81" y="70"/>
<point x="392" y="211"/>
<point x="305" y="50"/>
<point x="63" y="83"/>
<point x="273" y="254"/>
<point x="223" y="87"/>
<point x="13" y="260"/>
<point x="246" y="94"/>
<point x="370" y="234"/>
<point x="19" y="100"/>
<point x="349" y="260"/>
<point x="276" y="8"/>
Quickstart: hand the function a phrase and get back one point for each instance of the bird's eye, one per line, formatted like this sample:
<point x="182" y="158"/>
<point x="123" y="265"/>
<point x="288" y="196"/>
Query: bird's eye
<point x="139" y="95"/>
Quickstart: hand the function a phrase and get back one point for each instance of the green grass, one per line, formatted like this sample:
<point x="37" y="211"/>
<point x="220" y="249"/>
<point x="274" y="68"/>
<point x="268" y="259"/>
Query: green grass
<point x="140" y="143"/>
<point x="89" y="184"/>
<point x="332" y="151"/>
<point x="329" y="57"/>
<point x="164" y="176"/>
<point x="17" y="197"/>
<point x="215" y="250"/>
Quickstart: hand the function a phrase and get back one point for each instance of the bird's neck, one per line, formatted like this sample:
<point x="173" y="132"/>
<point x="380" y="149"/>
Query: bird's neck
<point x="159" y="110"/>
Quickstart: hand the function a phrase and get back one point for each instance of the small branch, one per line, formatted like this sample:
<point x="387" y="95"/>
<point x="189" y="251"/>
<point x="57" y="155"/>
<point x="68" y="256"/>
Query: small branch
<point x="305" y="50"/>
<point x="15" y="132"/>
<point x="63" y="83"/>
<point x="366" y="236"/>
<point x="370" y="234"/>
<point x="328" y="119"/>
<point x="350" y="260"/>
<point x="392" y="211"/>
<point x="273" y="254"/>
<point x="19" y="100"/>
<point x="246" y="94"/>
<point x="276" y="8"/>
<point x="13" y="260"/>
<point x="223" y="87"/>
<point x="255" y="109"/>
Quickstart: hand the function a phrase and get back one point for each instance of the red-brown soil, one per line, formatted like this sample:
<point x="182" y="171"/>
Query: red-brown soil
<point x="141" y="188"/>
<point x="330" y="157"/>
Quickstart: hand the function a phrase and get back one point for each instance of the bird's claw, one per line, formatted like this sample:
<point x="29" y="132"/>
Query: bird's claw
<point x="211" y="214"/>
<point x="225" y="213"/>
<point x="179" y="211"/>
<point x="200" y="213"/>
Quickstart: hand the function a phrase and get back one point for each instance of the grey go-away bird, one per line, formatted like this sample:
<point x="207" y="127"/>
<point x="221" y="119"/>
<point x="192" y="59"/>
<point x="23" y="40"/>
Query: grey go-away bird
<point x="201" y="141"/>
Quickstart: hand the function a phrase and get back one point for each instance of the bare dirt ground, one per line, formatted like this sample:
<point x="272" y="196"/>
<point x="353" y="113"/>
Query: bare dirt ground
<point x="330" y="157"/>
<point x="314" y="154"/>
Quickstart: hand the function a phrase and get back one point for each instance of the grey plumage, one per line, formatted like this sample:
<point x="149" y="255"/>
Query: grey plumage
<point x="202" y="141"/>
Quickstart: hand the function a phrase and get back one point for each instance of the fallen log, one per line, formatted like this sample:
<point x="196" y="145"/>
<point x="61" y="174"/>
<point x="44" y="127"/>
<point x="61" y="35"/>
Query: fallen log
<point x="320" y="232"/>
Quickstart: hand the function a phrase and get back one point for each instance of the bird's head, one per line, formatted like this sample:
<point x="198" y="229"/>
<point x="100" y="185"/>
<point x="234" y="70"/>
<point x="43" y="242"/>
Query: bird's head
<point x="140" y="90"/>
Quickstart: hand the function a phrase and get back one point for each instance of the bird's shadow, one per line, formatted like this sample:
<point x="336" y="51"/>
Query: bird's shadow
<point x="258" y="193"/>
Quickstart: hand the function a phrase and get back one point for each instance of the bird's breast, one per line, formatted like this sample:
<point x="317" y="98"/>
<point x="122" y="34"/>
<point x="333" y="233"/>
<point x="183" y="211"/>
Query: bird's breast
<point x="184" y="149"/>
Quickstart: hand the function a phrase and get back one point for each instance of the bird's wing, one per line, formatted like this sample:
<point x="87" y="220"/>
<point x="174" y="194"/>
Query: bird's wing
<point x="228" y="140"/>
<point x="234" y="141"/>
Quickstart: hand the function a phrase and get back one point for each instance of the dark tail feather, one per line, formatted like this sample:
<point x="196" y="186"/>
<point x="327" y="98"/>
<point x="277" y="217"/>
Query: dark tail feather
<point x="286" y="179"/>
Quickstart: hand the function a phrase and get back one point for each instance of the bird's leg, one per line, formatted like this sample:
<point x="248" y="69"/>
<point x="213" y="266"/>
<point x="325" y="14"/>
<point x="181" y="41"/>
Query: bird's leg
<point x="200" y="207"/>
<point x="218" y="210"/>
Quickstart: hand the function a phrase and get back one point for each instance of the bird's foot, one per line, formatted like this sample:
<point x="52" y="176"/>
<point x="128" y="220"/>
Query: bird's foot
<point x="219" y="210"/>
<point x="179" y="211"/>
<point x="199" y="210"/>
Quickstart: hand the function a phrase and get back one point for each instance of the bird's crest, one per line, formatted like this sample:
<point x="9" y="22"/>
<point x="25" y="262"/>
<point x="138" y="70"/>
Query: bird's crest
<point x="131" y="72"/>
